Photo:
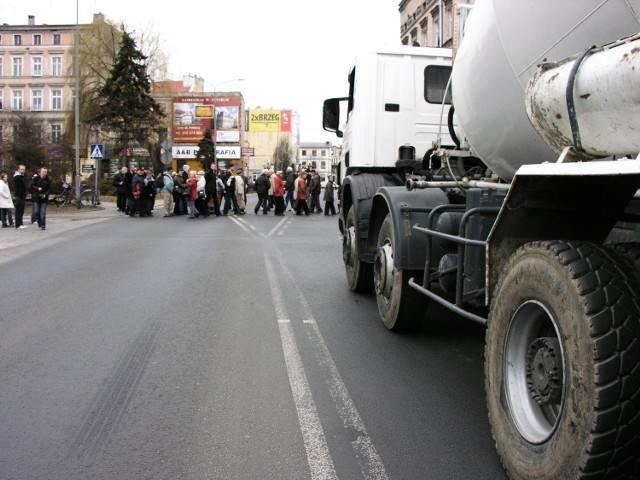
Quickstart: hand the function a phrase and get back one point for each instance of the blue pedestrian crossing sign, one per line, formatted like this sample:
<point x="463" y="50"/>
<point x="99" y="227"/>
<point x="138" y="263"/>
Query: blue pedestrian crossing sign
<point x="97" y="151"/>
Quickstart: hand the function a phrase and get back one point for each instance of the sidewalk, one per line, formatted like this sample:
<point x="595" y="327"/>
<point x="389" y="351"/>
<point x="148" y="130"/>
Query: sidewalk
<point x="14" y="242"/>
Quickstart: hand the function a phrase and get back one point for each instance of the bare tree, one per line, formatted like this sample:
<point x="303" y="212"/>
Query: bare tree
<point x="283" y="153"/>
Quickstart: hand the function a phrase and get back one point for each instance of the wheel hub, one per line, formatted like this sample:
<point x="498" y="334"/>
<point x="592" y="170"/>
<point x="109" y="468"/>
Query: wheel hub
<point x="383" y="271"/>
<point x="544" y="371"/>
<point x="348" y="244"/>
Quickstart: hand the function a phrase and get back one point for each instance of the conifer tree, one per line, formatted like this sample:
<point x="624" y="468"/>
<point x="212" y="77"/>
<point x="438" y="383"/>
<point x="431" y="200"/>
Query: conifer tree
<point x="206" y="150"/>
<point x="126" y="105"/>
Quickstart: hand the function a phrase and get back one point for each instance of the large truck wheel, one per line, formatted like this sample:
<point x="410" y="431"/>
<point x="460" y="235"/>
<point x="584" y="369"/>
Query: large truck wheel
<point x="399" y="305"/>
<point x="630" y="250"/>
<point x="359" y="273"/>
<point x="562" y="372"/>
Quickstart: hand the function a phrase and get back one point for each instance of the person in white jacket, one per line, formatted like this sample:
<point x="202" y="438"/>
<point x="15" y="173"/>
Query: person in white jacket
<point x="6" y="203"/>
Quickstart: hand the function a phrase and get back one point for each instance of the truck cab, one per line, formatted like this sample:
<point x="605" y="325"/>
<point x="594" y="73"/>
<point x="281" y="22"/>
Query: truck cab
<point x="395" y="98"/>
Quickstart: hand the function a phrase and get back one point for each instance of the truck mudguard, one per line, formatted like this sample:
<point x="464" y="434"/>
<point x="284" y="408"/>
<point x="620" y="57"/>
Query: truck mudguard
<point x="358" y="192"/>
<point x="407" y="209"/>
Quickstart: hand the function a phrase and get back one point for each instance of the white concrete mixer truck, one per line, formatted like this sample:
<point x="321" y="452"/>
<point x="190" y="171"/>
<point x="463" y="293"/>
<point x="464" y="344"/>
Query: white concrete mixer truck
<point x="519" y="210"/>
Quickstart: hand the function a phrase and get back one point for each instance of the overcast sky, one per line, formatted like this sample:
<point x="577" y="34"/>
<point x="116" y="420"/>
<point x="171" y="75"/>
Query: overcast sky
<point x="292" y="53"/>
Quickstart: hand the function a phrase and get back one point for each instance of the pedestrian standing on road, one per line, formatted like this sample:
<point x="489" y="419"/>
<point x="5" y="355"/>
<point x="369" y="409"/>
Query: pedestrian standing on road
<point x="40" y="189"/>
<point x="301" y="194"/>
<point x="6" y="203"/>
<point x="230" y="200"/>
<point x="339" y="196"/>
<point x="262" y="189"/>
<point x="328" y="198"/>
<point x="149" y="194"/>
<point x="179" y="186"/>
<point x="20" y="192"/>
<point x="315" y="188"/>
<point x="211" y="190"/>
<point x="201" y="203"/>
<point x="219" y="188"/>
<point x="118" y="182"/>
<point x="167" y="191"/>
<point x="289" y="188"/>
<point x="34" y="218"/>
<point x="192" y="186"/>
<point x="240" y="189"/>
<point x="272" y="188"/>
<point x="128" y="188"/>
<point x="278" y="194"/>
<point x="137" y="192"/>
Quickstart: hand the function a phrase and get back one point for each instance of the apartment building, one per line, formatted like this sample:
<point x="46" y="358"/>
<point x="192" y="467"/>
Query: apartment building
<point x="36" y="78"/>
<point x="433" y="23"/>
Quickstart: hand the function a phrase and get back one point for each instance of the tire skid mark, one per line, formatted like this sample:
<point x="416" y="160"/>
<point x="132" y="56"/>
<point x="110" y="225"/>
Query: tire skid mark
<point x="114" y="395"/>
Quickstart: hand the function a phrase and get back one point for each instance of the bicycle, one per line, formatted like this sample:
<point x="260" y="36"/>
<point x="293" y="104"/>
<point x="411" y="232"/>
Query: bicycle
<point x="68" y="195"/>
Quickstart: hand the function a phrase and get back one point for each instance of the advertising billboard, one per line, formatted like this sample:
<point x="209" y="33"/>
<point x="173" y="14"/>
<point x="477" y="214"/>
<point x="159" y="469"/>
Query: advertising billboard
<point x="192" y="115"/>
<point x="269" y="120"/>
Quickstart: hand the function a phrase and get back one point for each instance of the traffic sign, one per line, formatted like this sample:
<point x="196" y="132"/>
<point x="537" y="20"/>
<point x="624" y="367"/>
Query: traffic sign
<point x="165" y="152"/>
<point x="97" y="151"/>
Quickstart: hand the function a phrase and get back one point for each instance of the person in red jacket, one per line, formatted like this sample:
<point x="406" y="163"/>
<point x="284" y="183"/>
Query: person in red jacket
<point x="192" y="184"/>
<point x="301" y="194"/>
<point x="278" y="183"/>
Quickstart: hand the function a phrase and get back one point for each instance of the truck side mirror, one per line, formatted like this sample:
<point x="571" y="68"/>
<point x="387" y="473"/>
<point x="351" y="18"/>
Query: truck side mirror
<point x="331" y="115"/>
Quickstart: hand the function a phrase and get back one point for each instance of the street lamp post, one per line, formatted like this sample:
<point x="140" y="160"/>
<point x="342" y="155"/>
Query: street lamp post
<point x="215" y="120"/>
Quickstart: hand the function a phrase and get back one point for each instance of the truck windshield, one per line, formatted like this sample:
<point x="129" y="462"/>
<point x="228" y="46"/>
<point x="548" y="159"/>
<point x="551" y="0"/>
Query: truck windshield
<point x="435" y="84"/>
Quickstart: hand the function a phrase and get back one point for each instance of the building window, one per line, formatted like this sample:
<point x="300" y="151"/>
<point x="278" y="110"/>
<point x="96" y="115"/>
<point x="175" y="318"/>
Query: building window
<point x="314" y="153"/>
<point x="37" y="133"/>
<point x="1" y="67"/>
<point x="304" y="153"/>
<point x="1" y="134"/>
<point x="17" y="39"/>
<point x="16" y="99"/>
<point x="56" y="39"/>
<point x="36" y="66"/>
<point x="323" y="153"/>
<point x="323" y="165"/>
<point x="56" y="66"/>
<point x="37" y="39"/>
<point x="435" y="83"/>
<point x="17" y="66"/>
<point x="56" y="133"/>
<point x="56" y="99"/>
<point x="424" y="32"/>
<point x="36" y="100"/>
<point x="1" y="102"/>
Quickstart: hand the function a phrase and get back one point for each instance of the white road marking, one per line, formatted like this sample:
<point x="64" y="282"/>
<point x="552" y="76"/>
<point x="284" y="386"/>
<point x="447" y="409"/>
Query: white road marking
<point x="370" y="462"/>
<point x="315" y="443"/>
<point x="277" y="226"/>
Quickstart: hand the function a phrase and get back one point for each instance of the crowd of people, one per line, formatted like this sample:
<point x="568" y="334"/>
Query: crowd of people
<point x="184" y="192"/>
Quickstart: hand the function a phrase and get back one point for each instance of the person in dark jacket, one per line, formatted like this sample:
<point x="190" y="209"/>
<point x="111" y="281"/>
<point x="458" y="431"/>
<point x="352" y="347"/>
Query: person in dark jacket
<point x="315" y="186"/>
<point x="137" y="192"/>
<point x="128" y="188"/>
<point x="40" y="189"/>
<point x="211" y="188"/>
<point x="118" y="182"/>
<point x="262" y="185"/>
<point x="20" y="192"/>
<point x="289" y="187"/>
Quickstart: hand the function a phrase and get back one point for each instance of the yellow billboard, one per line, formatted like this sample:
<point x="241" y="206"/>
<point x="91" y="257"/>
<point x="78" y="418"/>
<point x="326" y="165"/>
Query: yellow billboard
<point x="265" y="120"/>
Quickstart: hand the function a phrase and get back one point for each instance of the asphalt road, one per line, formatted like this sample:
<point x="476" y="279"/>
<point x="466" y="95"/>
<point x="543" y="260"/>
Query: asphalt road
<point x="222" y="348"/>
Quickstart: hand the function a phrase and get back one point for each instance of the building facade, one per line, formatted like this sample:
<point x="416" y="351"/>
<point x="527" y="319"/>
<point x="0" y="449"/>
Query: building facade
<point x="317" y="154"/>
<point x="433" y="23"/>
<point x="36" y="78"/>
<point x="266" y="129"/>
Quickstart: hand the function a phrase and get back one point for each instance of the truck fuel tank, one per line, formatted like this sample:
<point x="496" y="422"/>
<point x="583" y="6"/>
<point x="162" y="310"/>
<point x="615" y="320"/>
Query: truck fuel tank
<point x="591" y="101"/>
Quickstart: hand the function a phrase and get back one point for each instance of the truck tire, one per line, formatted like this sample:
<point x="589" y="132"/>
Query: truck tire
<point x="359" y="273"/>
<point x="630" y="250"/>
<point x="562" y="372"/>
<point x="399" y="305"/>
